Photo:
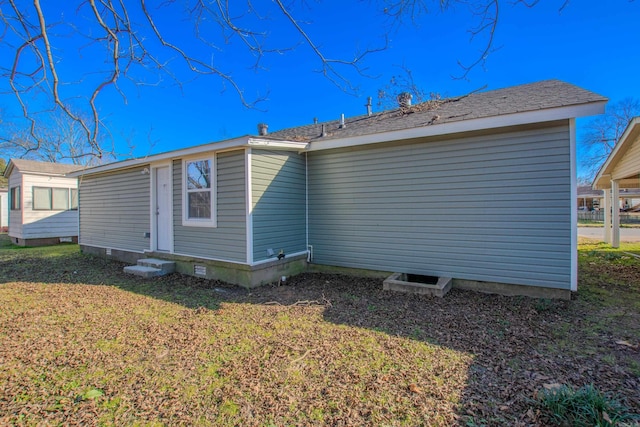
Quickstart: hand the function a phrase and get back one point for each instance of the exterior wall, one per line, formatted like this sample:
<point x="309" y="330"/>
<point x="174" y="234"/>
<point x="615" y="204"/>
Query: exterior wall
<point x="492" y="208"/>
<point x="37" y="224"/>
<point x="227" y="241"/>
<point x="114" y="210"/>
<point x="4" y="211"/>
<point x="278" y="187"/>
<point x="15" y="216"/>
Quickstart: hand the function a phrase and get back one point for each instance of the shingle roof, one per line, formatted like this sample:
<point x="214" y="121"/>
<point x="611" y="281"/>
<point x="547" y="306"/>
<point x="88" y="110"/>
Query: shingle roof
<point x="43" y="167"/>
<point x="517" y="99"/>
<point x="587" y="191"/>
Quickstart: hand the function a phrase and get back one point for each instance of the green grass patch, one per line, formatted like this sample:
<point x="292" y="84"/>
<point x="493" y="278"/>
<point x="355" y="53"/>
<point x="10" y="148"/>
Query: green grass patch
<point x="584" y="407"/>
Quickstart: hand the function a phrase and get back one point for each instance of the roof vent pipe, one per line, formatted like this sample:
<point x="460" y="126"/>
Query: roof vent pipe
<point x="342" y="125"/>
<point x="404" y="100"/>
<point x="315" y="120"/>
<point x="262" y="129"/>
<point x="324" y="131"/>
<point x="368" y="105"/>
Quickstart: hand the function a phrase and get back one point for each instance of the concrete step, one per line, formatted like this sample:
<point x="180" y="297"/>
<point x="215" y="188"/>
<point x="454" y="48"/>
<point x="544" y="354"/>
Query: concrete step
<point x="143" y="271"/>
<point x="161" y="264"/>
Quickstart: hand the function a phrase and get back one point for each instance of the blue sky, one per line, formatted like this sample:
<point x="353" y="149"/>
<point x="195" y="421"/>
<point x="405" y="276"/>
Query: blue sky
<point x="588" y="43"/>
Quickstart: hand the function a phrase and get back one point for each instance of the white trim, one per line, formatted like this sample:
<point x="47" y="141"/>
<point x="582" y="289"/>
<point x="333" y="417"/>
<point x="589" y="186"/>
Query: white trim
<point x="236" y="143"/>
<point x="192" y="222"/>
<point x="265" y="261"/>
<point x="276" y="143"/>
<point x="306" y="198"/>
<point x="574" y="204"/>
<point x="249" y="204"/>
<point x="561" y="113"/>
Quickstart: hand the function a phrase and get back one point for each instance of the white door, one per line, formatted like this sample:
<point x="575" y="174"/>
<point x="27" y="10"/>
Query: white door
<point x="163" y="209"/>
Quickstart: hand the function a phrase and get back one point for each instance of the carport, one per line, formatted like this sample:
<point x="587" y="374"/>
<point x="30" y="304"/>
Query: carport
<point x="620" y="170"/>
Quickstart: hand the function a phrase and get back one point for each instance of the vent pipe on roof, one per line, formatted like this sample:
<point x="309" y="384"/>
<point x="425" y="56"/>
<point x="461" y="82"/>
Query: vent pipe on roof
<point x="368" y="105"/>
<point x="404" y="100"/>
<point x="315" y="120"/>
<point x="262" y="129"/>
<point x="342" y="125"/>
<point x="324" y="131"/>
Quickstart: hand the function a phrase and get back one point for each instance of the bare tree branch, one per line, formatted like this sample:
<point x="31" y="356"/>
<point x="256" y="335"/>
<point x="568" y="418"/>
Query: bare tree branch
<point x="603" y="132"/>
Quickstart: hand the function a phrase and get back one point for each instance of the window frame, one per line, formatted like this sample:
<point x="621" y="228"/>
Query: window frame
<point x="51" y="199"/>
<point x="33" y="198"/>
<point x="15" y="201"/>
<point x="199" y="222"/>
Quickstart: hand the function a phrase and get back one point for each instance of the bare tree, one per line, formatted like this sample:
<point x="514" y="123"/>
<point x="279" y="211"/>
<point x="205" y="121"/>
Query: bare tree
<point x="603" y="133"/>
<point x="126" y="45"/>
<point x="3" y="165"/>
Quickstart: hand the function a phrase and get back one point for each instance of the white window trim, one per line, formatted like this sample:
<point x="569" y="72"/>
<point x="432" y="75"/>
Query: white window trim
<point x="199" y="222"/>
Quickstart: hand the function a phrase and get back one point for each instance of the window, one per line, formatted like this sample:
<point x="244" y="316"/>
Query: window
<point x="41" y="199"/>
<point x="74" y="199"/>
<point x="199" y="193"/>
<point x="54" y="199"/>
<point x="15" y="198"/>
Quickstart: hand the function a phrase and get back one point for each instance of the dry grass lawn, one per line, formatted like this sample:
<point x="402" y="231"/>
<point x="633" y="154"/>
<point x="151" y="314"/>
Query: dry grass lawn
<point x="83" y="344"/>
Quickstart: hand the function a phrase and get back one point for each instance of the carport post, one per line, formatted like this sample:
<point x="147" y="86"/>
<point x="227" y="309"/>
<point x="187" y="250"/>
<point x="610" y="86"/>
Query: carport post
<point x="607" y="215"/>
<point x="615" y="213"/>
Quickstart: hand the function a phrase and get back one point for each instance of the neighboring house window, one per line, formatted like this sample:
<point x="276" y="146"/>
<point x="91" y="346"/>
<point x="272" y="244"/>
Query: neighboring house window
<point x="53" y="199"/>
<point x="199" y="193"/>
<point x="74" y="199"/>
<point x="15" y="198"/>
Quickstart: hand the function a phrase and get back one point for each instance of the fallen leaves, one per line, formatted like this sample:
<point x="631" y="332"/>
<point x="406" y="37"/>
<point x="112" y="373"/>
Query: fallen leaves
<point x="322" y="349"/>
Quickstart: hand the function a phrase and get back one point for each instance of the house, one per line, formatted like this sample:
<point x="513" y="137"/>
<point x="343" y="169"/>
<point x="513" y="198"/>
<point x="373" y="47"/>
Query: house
<point x="588" y="198"/>
<point x="43" y="202"/>
<point x="621" y="170"/>
<point x="372" y="194"/>
<point x="4" y="210"/>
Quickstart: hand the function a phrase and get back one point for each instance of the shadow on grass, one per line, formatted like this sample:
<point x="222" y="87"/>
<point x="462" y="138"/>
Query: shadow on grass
<point x="517" y="344"/>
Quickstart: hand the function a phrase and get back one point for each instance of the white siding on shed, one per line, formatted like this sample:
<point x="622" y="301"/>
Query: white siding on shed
<point x="4" y="209"/>
<point x="37" y="224"/>
<point x="15" y="216"/>
<point x="493" y="208"/>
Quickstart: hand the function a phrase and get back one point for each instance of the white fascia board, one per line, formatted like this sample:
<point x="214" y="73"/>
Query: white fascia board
<point x="514" y="119"/>
<point x="184" y="152"/>
<point x="277" y="144"/>
<point x="244" y="141"/>
<point x="602" y="180"/>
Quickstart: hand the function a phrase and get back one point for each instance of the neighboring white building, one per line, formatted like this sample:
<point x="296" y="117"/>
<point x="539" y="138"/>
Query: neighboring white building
<point x="42" y="202"/>
<point x="4" y="210"/>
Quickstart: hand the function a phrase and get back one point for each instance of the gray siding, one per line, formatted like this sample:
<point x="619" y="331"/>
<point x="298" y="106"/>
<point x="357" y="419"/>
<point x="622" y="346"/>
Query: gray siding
<point x="114" y="210"/>
<point x="492" y="208"/>
<point x="279" y="202"/>
<point x="228" y="240"/>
